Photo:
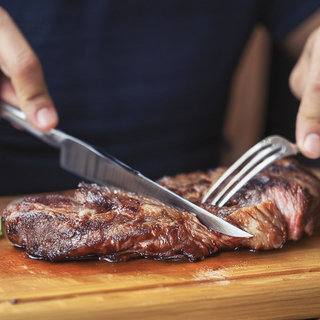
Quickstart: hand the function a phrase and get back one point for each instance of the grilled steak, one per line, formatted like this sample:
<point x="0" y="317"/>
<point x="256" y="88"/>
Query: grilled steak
<point x="112" y="225"/>
<point x="279" y="204"/>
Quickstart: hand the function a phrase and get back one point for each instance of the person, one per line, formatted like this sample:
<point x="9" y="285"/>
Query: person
<point x="147" y="81"/>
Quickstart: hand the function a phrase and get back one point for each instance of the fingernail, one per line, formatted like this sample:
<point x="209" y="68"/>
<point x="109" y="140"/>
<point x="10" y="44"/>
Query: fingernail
<point x="45" y="117"/>
<point x="312" y="145"/>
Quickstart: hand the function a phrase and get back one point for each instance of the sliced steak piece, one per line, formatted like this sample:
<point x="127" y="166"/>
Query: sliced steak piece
<point x="111" y="225"/>
<point x="264" y="221"/>
<point x="280" y="203"/>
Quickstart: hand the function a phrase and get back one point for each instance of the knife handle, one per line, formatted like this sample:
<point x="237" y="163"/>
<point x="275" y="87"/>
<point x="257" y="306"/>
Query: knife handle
<point x="13" y="115"/>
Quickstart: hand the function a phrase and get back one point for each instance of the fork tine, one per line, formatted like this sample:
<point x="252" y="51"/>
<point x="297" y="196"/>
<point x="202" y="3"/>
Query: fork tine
<point x="256" y="148"/>
<point x="254" y="161"/>
<point x="271" y="158"/>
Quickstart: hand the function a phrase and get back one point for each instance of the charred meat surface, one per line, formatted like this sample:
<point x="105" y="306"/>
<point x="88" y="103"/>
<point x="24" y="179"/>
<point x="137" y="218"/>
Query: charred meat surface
<point x="279" y="204"/>
<point x="113" y="225"/>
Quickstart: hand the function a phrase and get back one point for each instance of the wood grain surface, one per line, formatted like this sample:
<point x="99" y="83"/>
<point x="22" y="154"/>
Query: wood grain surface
<point x="278" y="284"/>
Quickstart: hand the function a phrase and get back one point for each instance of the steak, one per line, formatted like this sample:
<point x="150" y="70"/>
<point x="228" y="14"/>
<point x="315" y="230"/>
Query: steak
<point x="279" y="204"/>
<point x="112" y="225"/>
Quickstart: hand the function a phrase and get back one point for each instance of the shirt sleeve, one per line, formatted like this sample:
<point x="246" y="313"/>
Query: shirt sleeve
<point x="282" y="16"/>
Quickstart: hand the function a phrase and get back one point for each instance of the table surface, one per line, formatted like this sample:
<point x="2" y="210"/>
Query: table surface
<point x="277" y="284"/>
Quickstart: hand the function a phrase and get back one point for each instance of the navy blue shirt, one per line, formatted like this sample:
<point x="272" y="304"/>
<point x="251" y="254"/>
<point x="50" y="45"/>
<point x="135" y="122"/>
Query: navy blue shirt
<point x="147" y="81"/>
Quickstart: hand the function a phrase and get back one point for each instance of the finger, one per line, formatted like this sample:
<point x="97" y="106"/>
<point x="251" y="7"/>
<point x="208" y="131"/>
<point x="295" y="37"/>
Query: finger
<point x="7" y="92"/>
<point x="308" y="119"/>
<point x="298" y="76"/>
<point x="19" y="62"/>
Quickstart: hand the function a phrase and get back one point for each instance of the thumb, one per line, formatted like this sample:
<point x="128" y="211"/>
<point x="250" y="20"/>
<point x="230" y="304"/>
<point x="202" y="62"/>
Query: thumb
<point x="305" y="84"/>
<point x="19" y="63"/>
<point x="308" y="123"/>
<point x="33" y="96"/>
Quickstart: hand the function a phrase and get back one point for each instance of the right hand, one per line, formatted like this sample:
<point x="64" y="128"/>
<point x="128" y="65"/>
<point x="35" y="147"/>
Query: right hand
<point x="22" y="81"/>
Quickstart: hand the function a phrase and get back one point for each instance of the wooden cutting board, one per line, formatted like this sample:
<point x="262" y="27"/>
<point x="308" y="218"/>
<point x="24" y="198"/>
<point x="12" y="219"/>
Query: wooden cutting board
<point x="278" y="284"/>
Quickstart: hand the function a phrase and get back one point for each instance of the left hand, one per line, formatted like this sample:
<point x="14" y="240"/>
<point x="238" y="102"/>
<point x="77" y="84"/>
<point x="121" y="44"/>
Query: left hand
<point x="305" y="85"/>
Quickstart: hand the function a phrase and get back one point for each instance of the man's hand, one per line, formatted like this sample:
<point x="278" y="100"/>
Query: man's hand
<point x="305" y="84"/>
<point x="22" y="81"/>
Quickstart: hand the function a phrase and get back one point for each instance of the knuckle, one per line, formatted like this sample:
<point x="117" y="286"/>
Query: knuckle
<point x="294" y="78"/>
<point x="38" y="95"/>
<point x="295" y="83"/>
<point x="26" y="62"/>
<point x="314" y="85"/>
<point x="309" y="113"/>
<point x="312" y="118"/>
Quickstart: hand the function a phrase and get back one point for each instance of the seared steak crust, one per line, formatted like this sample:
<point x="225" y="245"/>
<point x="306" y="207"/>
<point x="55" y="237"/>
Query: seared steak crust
<point x="279" y="204"/>
<point x="112" y="225"/>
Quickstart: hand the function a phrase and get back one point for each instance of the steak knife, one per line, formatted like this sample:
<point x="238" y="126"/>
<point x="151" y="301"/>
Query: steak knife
<point x="86" y="161"/>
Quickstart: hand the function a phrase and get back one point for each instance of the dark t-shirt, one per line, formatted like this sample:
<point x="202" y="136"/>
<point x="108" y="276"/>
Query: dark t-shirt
<point x="147" y="81"/>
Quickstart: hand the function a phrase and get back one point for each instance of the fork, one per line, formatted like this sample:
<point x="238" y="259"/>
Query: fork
<point x="248" y="165"/>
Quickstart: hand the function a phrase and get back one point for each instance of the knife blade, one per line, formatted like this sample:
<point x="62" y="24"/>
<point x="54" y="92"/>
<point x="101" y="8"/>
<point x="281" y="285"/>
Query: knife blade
<point x="86" y="161"/>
